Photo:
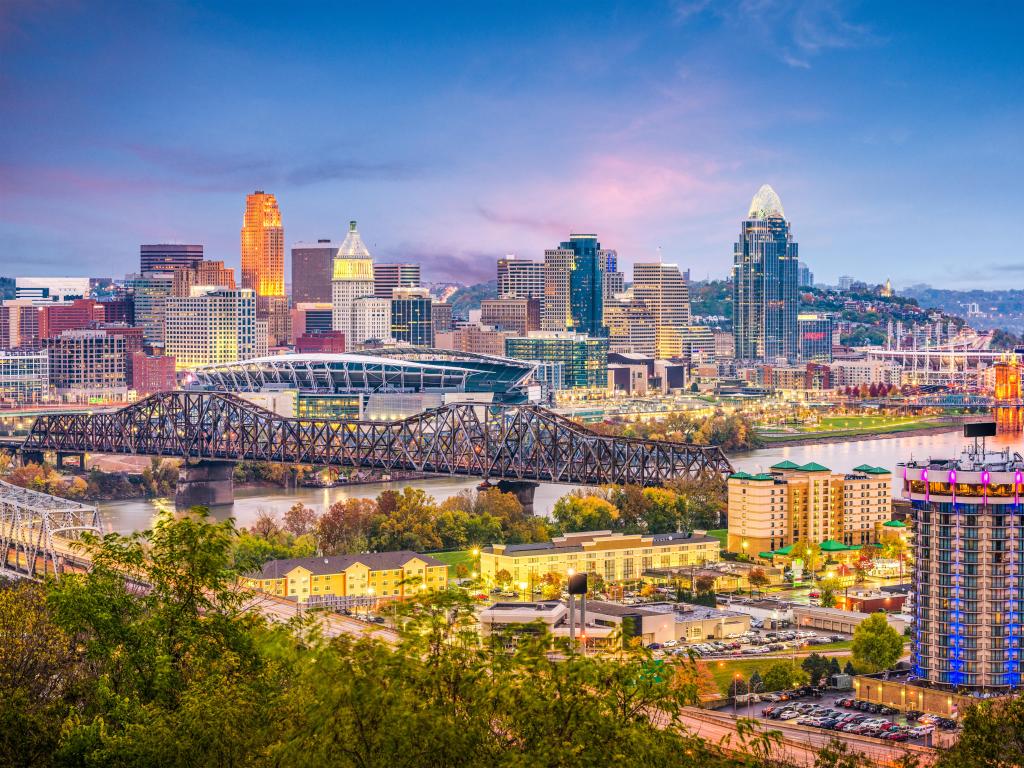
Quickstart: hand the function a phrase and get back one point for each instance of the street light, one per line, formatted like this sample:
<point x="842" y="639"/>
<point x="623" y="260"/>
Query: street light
<point x="522" y="590"/>
<point x="735" y="691"/>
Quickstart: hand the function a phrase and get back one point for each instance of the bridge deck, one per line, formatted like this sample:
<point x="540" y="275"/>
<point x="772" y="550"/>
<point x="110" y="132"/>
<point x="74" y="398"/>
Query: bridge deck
<point x="521" y="442"/>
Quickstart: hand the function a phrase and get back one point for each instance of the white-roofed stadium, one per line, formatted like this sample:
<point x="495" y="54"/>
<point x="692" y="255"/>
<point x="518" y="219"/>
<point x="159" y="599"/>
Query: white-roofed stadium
<point x="383" y="384"/>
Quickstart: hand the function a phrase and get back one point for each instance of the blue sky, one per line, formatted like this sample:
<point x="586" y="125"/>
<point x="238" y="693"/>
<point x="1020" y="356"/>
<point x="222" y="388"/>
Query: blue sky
<point x="457" y="132"/>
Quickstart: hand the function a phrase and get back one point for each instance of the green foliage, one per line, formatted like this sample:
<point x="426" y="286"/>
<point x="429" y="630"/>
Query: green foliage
<point x="784" y="675"/>
<point x="733" y="432"/>
<point x="469" y="297"/>
<point x="876" y="645"/>
<point x="175" y="673"/>
<point x="585" y="513"/>
<point x="992" y="736"/>
<point x="817" y="667"/>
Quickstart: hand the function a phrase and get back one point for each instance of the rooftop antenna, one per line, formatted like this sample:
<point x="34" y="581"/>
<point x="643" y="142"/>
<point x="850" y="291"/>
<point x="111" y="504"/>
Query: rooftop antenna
<point x="659" y="255"/>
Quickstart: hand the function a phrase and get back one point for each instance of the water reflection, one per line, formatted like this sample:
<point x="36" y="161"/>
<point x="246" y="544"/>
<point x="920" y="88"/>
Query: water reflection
<point x="126" y="516"/>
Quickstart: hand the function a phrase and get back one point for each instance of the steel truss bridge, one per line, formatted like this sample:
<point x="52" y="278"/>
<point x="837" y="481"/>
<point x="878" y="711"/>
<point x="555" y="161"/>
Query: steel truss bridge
<point x="516" y="443"/>
<point x="40" y="535"/>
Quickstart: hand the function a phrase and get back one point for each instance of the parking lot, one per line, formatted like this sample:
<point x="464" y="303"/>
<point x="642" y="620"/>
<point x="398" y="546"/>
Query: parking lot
<point x="751" y="644"/>
<point x="844" y="714"/>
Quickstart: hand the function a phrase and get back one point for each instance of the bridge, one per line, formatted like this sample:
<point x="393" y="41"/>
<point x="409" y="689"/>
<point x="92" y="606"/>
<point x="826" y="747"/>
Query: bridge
<point x="516" y="445"/>
<point x="40" y="534"/>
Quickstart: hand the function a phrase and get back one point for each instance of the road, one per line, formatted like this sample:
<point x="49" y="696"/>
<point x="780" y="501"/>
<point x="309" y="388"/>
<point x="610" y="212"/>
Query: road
<point x="334" y="624"/>
<point x="799" y="744"/>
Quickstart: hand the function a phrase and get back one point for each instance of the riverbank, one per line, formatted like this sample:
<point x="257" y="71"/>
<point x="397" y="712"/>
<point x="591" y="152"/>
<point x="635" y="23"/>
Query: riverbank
<point x="853" y="436"/>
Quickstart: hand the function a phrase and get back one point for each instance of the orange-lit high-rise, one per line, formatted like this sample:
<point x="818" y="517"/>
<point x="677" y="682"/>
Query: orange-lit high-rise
<point x="263" y="245"/>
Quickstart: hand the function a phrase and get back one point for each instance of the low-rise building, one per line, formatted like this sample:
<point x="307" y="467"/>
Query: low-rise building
<point x="607" y="622"/>
<point x="612" y="556"/>
<point x="24" y="377"/>
<point x="375" y="575"/>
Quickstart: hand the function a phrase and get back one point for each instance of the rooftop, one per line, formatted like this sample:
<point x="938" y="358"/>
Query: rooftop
<point x="319" y="566"/>
<point x="577" y="542"/>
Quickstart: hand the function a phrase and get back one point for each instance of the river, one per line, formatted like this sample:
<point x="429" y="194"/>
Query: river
<point x="137" y="514"/>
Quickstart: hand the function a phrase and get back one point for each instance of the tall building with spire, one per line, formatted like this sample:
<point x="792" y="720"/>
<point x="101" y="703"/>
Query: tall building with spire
<point x="262" y="245"/>
<point x="351" y="279"/>
<point x="764" y="282"/>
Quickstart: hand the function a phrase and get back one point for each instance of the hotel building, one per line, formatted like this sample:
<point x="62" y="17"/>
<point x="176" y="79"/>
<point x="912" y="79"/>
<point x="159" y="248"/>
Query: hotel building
<point x="612" y="556"/>
<point x="770" y="511"/>
<point x="377" y="575"/>
<point x="968" y="573"/>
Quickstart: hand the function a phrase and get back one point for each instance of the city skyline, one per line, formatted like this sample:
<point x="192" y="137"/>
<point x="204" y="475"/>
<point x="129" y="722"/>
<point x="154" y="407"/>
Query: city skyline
<point x="921" y="132"/>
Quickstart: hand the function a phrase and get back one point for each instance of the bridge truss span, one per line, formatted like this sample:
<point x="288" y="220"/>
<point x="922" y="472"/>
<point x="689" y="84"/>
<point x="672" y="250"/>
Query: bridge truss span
<point x="39" y="533"/>
<point x="512" y="442"/>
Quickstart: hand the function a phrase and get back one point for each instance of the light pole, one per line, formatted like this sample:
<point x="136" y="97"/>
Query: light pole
<point x="735" y="691"/>
<point x="522" y="590"/>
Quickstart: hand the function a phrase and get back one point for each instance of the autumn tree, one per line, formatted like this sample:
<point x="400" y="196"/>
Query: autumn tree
<point x="300" y="519"/>
<point x="346" y="526"/>
<point x="757" y="578"/>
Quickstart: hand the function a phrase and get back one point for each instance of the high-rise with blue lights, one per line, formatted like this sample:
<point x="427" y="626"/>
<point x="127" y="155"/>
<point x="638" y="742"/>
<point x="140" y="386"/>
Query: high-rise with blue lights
<point x="764" y="282"/>
<point x="968" y="569"/>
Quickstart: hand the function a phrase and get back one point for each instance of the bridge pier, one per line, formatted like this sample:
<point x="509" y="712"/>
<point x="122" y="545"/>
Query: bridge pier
<point x="78" y="463"/>
<point x="32" y="457"/>
<point x="205" y="484"/>
<point x="522" y="489"/>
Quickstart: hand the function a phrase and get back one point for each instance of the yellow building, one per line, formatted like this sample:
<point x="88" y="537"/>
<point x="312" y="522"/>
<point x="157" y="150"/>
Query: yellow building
<point x="770" y="511"/>
<point x="379" y="575"/>
<point x="612" y="556"/>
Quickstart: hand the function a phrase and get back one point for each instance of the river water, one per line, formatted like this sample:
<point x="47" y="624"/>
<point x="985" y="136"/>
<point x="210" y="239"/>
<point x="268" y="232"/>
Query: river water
<point x="137" y="514"/>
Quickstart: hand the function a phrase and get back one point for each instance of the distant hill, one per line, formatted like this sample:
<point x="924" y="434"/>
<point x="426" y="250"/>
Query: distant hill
<point x="469" y="297"/>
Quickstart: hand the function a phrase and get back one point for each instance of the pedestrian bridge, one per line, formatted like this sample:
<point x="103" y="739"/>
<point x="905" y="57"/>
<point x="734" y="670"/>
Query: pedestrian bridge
<point x="523" y="443"/>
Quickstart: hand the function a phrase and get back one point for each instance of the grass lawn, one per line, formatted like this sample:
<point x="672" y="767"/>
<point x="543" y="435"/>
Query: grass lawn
<point x="721" y="534"/>
<point x="452" y="559"/>
<point x="723" y="671"/>
<point x="850" y="426"/>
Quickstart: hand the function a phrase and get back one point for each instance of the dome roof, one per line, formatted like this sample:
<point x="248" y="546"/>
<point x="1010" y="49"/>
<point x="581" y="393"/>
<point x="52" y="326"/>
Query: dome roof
<point x="765" y="203"/>
<point x="353" y="247"/>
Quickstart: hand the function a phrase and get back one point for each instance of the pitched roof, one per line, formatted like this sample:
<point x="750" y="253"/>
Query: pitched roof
<point x="319" y="566"/>
<point x="894" y="524"/>
<point x="813" y="467"/>
<point x="831" y="545"/>
<point x="786" y="464"/>
<point x="739" y="476"/>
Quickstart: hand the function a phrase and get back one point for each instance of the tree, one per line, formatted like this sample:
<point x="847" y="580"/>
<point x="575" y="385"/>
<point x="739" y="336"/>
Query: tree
<point x="827" y="587"/>
<point x="876" y="645"/>
<point x="756" y="683"/>
<point x="783" y="675"/>
<point x="816" y="666"/>
<point x="704" y="584"/>
<point x="895" y="548"/>
<point x="833" y="666"/>
<point x="585" y="513"/>
<point x="265" y="524"/>
<point x="411" y="523"/>
<point x="300" y="519"/>
<point x="992" y="736"/>
<point x="503" y="577"/>
<point x="809" y="552"/>
<point x="461" y="571"/>
<point x="848" y="669"/>
<point x="757" y="577"/>
<point x="346" y="526"/>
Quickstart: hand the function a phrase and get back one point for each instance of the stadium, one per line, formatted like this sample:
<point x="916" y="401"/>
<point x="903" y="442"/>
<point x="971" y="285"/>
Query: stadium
<point x="387" y="384"/>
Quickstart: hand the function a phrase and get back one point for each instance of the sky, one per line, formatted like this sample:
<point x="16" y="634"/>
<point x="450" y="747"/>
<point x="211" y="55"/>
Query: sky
<point x="458" y="132"/>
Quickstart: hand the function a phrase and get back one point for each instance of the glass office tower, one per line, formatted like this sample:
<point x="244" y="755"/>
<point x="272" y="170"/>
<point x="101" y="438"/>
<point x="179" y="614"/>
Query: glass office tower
<point x="764" y="289"/>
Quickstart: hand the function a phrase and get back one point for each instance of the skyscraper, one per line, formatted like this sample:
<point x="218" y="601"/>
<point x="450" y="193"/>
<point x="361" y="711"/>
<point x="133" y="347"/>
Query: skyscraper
<point x="662" y="289"/>
<point x="167" y="257"/>
<point x="351" y="278"/>
<point x="574" y="286"/>
<point x="262" y="245"/>
<point x="412" y="317"/>
<point x="213" y="326"/>
<point x="387" y="277"/>
<point x="520" y="278"/>
<point x="311" y="271"/>
<point x="764" y="277"/>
